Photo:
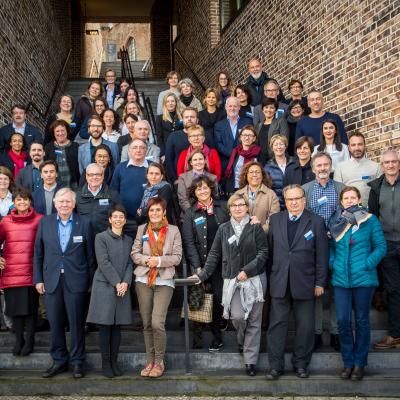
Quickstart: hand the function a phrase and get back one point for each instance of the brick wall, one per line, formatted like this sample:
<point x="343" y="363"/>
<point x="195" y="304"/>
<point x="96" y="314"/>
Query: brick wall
<point x="350" y="49"/>
<point x="34" y="41"/>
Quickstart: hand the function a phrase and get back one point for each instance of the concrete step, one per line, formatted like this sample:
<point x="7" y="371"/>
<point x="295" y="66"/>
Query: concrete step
<point x="381" y="382"/>
<point x="136" y="66"/>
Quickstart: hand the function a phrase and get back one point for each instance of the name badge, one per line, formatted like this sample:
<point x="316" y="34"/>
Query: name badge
<point x="58" y="152"/>
<point x="145" y="238"/>
<point x="309" y="235"/>
<point x="149" y="157"/>
<point x="279" y="113"/>
<point x="232" y="239"/>
<point x="72" y="125"/>
<point x="355" y="228"/>
<point x="77" y="239"/>
<point x="199" y="221"/>
<point x="323" y="200"/>
<point x="249" y="114"/>
<point x="365" y="177"/>
<point x="103" y="202"/>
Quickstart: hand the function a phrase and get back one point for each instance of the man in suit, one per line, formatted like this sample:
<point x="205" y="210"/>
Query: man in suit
<point x="86" y="151"/>
<point x="64" y="264"/>
<point x="29" y="176"/>
<point x="226" y="132"/>
<point x="19" y="124"/>
<point x="298" y="246"/>
<point x="42" y="198"/>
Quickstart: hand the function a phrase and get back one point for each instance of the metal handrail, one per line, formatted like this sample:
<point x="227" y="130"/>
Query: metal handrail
<point x="189" y="68"/>
<point x="32" y="105"/>
<point x="126" y="68"/>
<point x="150" y="114"/>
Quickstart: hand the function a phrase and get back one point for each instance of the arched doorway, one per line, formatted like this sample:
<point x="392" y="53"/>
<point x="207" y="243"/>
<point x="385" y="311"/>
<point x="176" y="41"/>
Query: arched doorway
<point x="131" y="46"/>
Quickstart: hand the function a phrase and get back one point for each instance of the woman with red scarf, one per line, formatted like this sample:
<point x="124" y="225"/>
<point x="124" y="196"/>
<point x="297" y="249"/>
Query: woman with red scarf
<point x="14" y="158"/>
<point x="156" y="252"/>
<point x="196" y="136"/>
<point x="246" y="152"/>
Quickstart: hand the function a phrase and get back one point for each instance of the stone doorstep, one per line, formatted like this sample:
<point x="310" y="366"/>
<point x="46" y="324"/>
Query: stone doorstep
<point x="376" y="383"/>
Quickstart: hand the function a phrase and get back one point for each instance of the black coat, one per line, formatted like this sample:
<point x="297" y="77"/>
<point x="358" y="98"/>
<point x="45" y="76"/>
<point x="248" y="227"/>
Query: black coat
<point x="250" y="255"/>
<point x="373" y="200"/>
<point x="71" y="153"/>
<point x="194" y="235"/>
<point x="96" y="208"/>
<point x="294" y="174"/>
<point x="31" y="134"/>
<point x="163" y="130"/>
<point x="305" y="262"/>
<point x="207" y="121"/>
<point x="24" y="178"/>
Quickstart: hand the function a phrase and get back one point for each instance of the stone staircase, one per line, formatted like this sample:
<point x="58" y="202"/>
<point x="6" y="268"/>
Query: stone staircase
<point x="150" y="87"/>
<point x="211" y="374"/>
<point x="136" y="67"/>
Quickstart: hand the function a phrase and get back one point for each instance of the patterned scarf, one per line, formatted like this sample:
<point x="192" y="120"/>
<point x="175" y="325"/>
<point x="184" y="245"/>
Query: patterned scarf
<point x="248" y="155"/>
<point x="18" y="160"/>
<point x="156" y="246"/>
<point x="206" y="151"/>
<point x="208" y="208"/>
<point x="149" y="192"/>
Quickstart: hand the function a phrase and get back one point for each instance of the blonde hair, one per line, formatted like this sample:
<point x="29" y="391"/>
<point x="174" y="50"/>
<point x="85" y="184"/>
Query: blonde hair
<point x="276" y="137"/>
<point x="236" y="197"/>
<point x="165" y="114"/>
<point x="138" y="107"/>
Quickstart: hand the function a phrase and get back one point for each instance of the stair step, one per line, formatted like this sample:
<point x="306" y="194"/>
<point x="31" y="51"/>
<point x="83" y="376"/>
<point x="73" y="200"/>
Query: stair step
<point x="136" y="67"/>
<point x="381" y="382"/>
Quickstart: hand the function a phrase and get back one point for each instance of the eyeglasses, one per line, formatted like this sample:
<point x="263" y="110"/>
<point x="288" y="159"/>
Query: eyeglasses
<point x="238" y="205"/>
<point x="94" y="175"/>
<point x="101" y="156"/>
<point x="138" y="147"/>
<point x="293" y="199"/>
<point x="270" y="90"/>
<point x="195" y="136"/>
<point x="247" y="135"/>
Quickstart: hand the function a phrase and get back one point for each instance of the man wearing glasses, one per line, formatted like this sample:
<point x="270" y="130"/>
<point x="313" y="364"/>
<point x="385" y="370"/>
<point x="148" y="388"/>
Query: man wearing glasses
<point x="128" y="180"/>
<point x="298" y="250"/>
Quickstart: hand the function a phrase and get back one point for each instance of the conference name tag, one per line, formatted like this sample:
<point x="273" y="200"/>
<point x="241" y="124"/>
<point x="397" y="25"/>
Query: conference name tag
<point x="365" y="177"/>
<point x="103" y="202"/>
<point x="199" y="221"/>
<point x="149" y="158"/>
<point x="77" y="239"/>
<point x="309" y="235"/>
<point x="232" y="239"/>
<point x="323" y="200"/>
<point x="72" y="125"/>
<point x="58" y="152"/>
<point x="355" y="229"/>
<point x="145" y="238"/>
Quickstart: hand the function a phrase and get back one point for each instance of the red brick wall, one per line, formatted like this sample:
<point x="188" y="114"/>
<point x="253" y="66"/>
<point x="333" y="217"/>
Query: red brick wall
<point x="349" y="49"/>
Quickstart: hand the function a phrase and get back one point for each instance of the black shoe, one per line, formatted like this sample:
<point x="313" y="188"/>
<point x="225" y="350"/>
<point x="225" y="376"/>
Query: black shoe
<point x="106" y="367"/>
<point x="317" y="341"/>
<point x="346" y="373"/>
<point x="240" y="348"/>
<point x="115" y="368"/>
<point x="250" y="369"/>
<point x="18" y="346"/>
<point x="302" y="373"/>
<point x="54" y="370"/>
<point x="77" y="371"/>
<point x="215" y="347"/>
<point x="28" y="346"/>
<point x="273" y="374"/>
<point x="358" y="373"/>
<point x="335" y="342"/>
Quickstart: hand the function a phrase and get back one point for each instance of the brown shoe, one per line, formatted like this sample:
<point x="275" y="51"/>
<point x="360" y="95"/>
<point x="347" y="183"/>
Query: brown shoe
<point x="145" y="372"/>
<point x="157" y="371"/>
<point x="388" y="343"/>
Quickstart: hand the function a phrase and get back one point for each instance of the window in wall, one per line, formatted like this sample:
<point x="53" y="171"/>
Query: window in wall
<point x="132" y="49"/>
<point x="229" y="10"/>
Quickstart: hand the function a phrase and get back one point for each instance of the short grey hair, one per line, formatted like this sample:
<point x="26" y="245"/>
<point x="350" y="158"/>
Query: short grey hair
<point x="94" y="165"/>
<point x="63" y="192"/>
<point x="291" y="187"/>
<point x="319" y="155"/>
<point x="135" y="140"/>
<point x="186" y="81"/>
<point x="143" y="121"/>
<point x="389" y="151"/>
<point x="232" y="98"/>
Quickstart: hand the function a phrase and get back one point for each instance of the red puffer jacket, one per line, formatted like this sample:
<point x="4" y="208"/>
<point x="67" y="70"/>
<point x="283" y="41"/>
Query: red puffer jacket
<point x="18" y="233"/>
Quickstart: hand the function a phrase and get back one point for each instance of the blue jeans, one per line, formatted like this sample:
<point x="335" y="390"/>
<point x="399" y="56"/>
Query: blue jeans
<point x="354" y="349"/>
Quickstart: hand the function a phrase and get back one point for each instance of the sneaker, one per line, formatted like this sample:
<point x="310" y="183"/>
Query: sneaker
<point x="215" y="347"/>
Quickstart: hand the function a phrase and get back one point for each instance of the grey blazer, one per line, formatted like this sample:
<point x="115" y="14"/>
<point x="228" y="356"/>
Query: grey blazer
<point x="258" y="115"/>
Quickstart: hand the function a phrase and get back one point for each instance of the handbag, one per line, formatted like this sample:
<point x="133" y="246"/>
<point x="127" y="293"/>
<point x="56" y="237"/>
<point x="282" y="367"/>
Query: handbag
<point x="204" y="313"/>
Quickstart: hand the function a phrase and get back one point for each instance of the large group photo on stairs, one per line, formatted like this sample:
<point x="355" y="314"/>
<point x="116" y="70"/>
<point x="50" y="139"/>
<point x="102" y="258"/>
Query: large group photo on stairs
<point x="200" y="198"/>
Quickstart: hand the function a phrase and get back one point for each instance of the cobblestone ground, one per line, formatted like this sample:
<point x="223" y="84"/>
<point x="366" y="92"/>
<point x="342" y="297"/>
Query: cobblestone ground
<point x="191" y="398"/>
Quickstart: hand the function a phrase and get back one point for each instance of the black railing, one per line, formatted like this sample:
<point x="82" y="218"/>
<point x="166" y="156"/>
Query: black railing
<point x="32" y="105"/>
<point x="126" y="67"/>
<point x="145" y="101"/>
<point x="198" y="80"/>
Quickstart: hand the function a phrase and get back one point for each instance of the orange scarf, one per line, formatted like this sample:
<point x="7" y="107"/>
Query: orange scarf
<point x="156" y="246"/>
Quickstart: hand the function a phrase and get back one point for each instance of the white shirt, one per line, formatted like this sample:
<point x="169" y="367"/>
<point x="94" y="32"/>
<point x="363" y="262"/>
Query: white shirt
<point x="5" y="204"/>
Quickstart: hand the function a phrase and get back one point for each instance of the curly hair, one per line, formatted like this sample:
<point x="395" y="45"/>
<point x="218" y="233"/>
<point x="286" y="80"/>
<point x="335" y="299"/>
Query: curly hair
<point x="197" y="182"/>
<point x="266" y="180"/>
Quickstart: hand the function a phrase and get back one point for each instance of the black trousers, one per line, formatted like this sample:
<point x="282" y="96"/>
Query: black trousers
<point x="391" y="281"/>
<point x="303" y="311"/>
<point x="62" y="305"/>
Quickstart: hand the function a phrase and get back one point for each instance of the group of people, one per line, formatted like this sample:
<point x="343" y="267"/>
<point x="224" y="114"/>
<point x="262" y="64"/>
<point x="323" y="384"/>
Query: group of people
<point x="272" y="205"/>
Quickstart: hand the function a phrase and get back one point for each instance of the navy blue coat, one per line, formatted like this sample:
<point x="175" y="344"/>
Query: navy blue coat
<point x="31" y="134"/>
<point x="78" y="260"/>
<point x="225" y="141"/>
<point x="39" y="201"/>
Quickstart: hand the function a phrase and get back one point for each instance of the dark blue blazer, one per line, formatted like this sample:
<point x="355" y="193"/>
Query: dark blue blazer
<point x="39" y="201"/>
<point x="116" y="92"/>
<point x="31" y="134"/>
<point x="224" y="140"/>
<point x="78" y="260"/>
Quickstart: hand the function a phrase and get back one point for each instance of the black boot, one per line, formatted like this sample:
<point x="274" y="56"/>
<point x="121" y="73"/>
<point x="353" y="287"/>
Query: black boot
<point x="18" y="325"/>
<point x="30" y="324"/>
<point x="115" y="343"/>
<point x="105" y="352"/>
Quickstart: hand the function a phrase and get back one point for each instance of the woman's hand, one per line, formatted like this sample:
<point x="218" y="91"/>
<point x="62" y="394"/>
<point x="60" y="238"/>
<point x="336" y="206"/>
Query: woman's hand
<point x="2" y="263"/>
<point x="121" y="288"/>
<point x="242" y="276"/>
<point x="40" y="288"/>
<point x="152" y="262"/>
<point x="254" y="220"/>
